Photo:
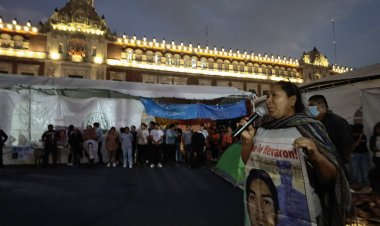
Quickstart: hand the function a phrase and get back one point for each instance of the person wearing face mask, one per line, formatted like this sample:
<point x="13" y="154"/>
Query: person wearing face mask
<point x="296" y="152"/>
<point x="339" y="130"/>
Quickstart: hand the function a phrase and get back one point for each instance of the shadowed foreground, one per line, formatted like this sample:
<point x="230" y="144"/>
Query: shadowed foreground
<point x="117" y="196"/>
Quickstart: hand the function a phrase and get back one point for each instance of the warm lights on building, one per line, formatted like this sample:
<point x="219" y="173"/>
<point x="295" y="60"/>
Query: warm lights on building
<point x="78" y="27"/>
<point x="22" y="53"/>
<point x="55" y="56"/>
<point x="98" y="60"/>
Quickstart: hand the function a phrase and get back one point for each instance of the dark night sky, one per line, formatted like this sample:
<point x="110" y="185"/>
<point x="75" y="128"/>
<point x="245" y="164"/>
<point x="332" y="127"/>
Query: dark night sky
<point x="281" y="27"/>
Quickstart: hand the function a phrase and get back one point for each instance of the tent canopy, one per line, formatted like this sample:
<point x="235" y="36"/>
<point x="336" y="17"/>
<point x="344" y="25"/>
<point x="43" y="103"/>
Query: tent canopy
<point x="368" y="73"/>
<point x="135" y="89"/>
<point x="351" y="95"/>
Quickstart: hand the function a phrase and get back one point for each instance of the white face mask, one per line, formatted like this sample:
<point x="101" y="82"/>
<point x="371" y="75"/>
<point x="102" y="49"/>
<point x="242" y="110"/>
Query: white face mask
<point x="313" y="111"/>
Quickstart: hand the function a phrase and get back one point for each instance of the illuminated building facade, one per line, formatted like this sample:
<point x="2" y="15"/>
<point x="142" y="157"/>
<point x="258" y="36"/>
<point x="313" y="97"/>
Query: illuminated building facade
<point x="76" y="42"/>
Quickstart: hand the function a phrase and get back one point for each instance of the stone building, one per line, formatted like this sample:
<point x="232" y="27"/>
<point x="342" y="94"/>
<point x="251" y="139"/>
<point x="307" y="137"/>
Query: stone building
<point x="76" y="42"/>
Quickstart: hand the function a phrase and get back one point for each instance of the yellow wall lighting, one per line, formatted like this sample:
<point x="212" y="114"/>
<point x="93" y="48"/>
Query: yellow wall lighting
<point x="22" y="53"/>
<point x="55" y="56"/>
<point x="98" y="60"/>
<point x="135" y="64"/>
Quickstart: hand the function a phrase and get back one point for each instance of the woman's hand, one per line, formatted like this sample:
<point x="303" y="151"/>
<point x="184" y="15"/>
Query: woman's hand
<point x="325" y="169"/>
<point x="308" y="146"/>
<point x="247" y="139"/>
<point x="248" y="134"/>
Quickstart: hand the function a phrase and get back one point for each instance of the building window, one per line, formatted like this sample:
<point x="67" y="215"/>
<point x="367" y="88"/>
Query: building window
<point x="253" y="91"/>
<point x="169" y="60"/>
<point x="250" y="69"/>
<point x="75" y="76"/>
<point x="235" y="67"/>
<point x="129" y="55"/>
<point x="194" y="62"/>
<point x="203" y="63"/>
<point x="93" y="51"/>
<point x="211" y="65"/>
<point x="27" y="73"/>
<point x="220" y="66"/>
<point x="241" y="68"/>
<point x="60" y="48"/>
<point x="4" y="72"/>
<point x="226" y="66"/>
<point x="157" y="59"/>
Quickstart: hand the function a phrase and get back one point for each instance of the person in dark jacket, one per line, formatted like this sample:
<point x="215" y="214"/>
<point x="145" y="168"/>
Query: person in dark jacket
<point x="3" y="139"/>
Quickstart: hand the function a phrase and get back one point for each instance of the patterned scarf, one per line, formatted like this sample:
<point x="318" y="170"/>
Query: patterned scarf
<point x="338" y="200"/>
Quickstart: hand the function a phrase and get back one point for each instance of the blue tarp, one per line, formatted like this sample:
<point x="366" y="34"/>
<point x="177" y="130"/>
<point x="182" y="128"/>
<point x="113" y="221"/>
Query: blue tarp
<point x="194" y="111"/>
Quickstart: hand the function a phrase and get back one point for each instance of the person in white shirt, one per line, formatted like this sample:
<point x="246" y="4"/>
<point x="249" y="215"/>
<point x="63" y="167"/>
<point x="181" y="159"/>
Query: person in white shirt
<point x="156" y="136"/>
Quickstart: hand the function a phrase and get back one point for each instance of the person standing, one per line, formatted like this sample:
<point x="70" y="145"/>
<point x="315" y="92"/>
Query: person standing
<point x="342" y="138"/>
<point x="126" y="140"/>
<point x="142" y="144"/>
<point x="76" y="145"/>
<point x="99" y="135"/>
<point x="50" y="138"/>
<point x="3" y="139"/>
<point x="186" y="139"/>
<point x="360" y="157"/>
<point x="112" y="145"/>
<point x="90" y="143"/>
<point x="134" y="143"/>
<point x="156" y="136"/>
<point x="374" y="145"/>
<point x="170" y="150"/>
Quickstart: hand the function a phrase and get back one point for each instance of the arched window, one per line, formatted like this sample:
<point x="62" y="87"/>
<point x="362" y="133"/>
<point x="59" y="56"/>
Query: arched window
<point x="235" y="66"/>
<point x="203" y="63"/>
<point x="219" y="64"/>
<point x="264" y="69"/>
<point x="157" y="58"/>
<point x="169" y="59"/>
<point x="226" y="65"/>
<point x="138" y="55"/>
<point x="241" y="67"/>
<point x="187" y="61"/>
<point x="211" y="64"/>
<point x="250" y="68"/>
<point x="194" y="62"/>
<point x="149" y="56"/>
<point x="129" y="54"/>
<point x="177" y="60"/>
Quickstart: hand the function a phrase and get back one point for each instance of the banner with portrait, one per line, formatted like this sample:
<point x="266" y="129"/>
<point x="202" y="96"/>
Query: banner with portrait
<point x="277" y="190"/>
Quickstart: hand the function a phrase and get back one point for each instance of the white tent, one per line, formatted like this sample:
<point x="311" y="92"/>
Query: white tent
<point x="29" y="103"/>
<point x="348" y="93"/>
<point x="32" y="102"/>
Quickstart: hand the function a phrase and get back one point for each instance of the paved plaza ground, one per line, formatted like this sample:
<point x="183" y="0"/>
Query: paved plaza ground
<point x="117" y="196"/>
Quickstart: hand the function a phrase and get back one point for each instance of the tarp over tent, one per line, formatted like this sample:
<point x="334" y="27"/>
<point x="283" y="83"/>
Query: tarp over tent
<point x="195" y="111"/>
<point x="350" y="92"/>
<point x="135" y="89"/>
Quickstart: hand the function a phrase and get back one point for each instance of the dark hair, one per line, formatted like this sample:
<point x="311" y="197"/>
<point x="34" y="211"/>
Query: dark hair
<point x="292" y="89"/>
<point x="133" y="126"/>
<point x="320" y="99"/>
<point x="258" y="174"/>
<point x="96" y="124"/>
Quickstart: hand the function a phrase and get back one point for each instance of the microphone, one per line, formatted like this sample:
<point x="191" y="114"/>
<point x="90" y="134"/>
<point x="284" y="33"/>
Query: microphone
<point x="260" y="112"/>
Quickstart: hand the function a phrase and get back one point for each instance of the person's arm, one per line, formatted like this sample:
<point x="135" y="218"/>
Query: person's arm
<point x="326" y="170"/>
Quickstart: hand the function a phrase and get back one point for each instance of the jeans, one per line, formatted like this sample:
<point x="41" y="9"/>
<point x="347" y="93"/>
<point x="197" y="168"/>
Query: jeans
<point x="127" y="154"/>
<point x="360" y="168"/>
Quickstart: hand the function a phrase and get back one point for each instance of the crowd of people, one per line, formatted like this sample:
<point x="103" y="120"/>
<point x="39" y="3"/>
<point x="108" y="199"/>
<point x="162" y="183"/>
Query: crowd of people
<point x="153" y="146"/>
